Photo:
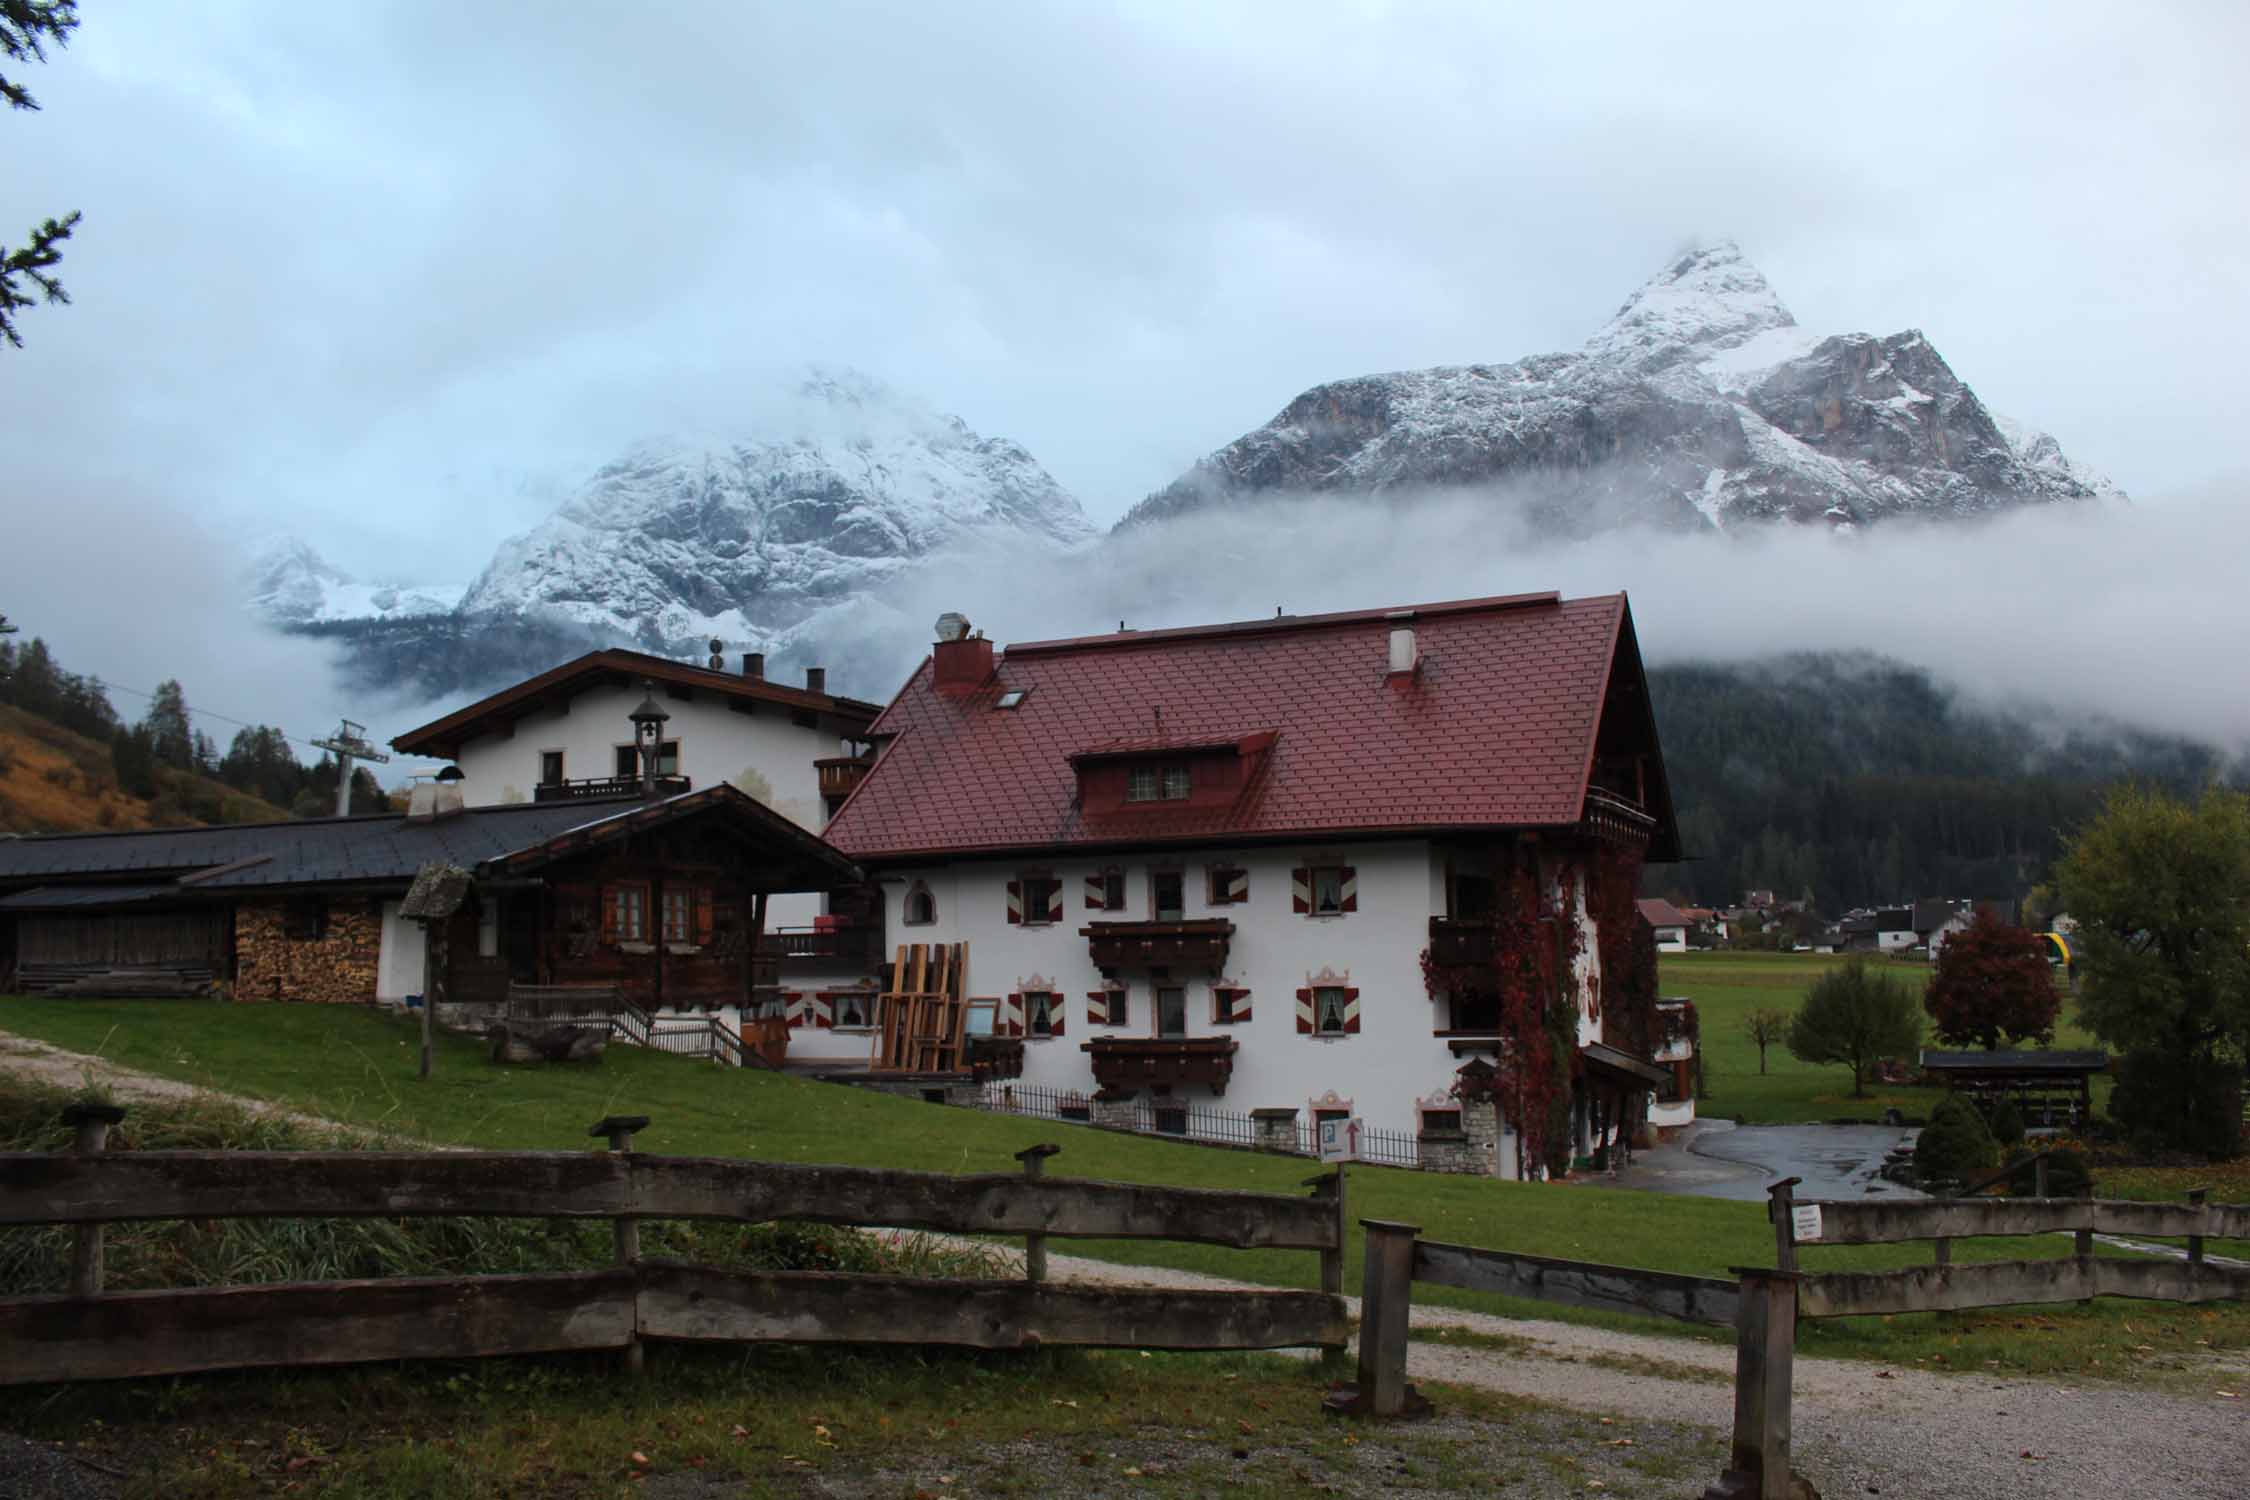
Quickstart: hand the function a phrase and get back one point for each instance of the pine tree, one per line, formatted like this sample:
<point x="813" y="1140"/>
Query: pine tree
<point x="169" y="730"/>
<point x="26" y="26"/>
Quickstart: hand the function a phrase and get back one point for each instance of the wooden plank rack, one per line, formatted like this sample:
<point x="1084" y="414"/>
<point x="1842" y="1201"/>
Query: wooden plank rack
<point x="925" y="1011"/>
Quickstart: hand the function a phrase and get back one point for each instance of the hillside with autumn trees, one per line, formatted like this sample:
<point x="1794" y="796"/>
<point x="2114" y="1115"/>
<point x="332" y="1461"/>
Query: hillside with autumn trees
<point x="70" y="763"/>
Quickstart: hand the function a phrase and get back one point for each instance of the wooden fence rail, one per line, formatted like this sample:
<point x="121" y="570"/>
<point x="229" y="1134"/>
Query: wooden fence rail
<point x="92" y="1334"/>
<point x="1764" y="1305"/>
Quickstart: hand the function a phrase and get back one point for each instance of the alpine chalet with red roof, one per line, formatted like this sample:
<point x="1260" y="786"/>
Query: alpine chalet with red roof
<point x="1370" y="863"/>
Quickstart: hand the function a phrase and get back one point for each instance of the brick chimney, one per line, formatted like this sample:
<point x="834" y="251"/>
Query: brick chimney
<point x="816" y="679"/>
<point x="753" y="663"/>
<point x="962" y="661"/>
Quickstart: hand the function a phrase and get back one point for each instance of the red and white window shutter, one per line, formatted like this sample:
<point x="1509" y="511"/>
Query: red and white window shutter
<point x="808" y="1010"/>
<point x="1106" y="1007"/>
<point x="1300" y="890"/>
<point x="1097" y="892"/>
<point x="1233" y="1003"/>
<point x="1351" y="889"/>
<point x="1351" y="1011"/>
<point x="1015" y="901"/>
<point x="1009" y="1022"/>
<point x="1304" y="1012"/>
<point x="1055" y="908"/>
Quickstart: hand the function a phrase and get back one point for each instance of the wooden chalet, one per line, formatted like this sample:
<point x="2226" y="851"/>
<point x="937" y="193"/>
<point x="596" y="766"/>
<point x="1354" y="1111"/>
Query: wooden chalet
<point x="662" y="898"/>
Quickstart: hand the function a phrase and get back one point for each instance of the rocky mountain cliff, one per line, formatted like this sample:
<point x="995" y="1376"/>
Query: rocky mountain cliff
<point x="1701" y="403"/>
<point x="286" y="582"/>
<point x="743" y="537"/>
<point x="777" y="537"/>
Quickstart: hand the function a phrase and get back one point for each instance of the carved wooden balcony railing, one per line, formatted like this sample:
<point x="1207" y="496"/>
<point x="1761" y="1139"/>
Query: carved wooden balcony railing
<point x="1463" y="942"/>
<point x="839" y="774"/>
<point x="843" y="943"/>
<point x="1199" y="944"/>
<point x="1125" y="1065"/>
<point x="1616" y="819"/>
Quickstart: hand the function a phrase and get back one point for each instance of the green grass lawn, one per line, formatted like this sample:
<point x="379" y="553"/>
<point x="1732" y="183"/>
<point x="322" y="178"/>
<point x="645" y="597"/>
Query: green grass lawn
<point x="1726" y="987"/>
<point x="358" y="1065"/>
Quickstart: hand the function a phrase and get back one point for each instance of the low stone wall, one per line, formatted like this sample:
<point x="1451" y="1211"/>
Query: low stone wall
<point x="337" y="968"/>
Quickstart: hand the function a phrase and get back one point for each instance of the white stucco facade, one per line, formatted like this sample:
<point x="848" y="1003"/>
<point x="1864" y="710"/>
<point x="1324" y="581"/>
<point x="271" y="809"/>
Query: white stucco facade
<point x="399" y="967"/>
<point x="1395" y="1059"/>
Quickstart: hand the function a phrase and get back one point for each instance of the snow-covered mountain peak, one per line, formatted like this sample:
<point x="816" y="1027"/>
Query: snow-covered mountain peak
<point x="285" y="581"/>
<point x="1706" y="299"/>
<point x="1701" y="403"/>
<point x="825" y="486"/>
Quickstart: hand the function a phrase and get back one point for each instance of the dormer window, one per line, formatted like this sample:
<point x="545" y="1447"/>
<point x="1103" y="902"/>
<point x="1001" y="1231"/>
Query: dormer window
<point x="1157" y="784"/>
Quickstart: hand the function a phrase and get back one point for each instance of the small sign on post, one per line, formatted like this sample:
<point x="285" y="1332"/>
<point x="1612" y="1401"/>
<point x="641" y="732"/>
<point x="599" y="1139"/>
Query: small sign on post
<point x="1339" y="1139"/>
<point x="1804" y="1221"/>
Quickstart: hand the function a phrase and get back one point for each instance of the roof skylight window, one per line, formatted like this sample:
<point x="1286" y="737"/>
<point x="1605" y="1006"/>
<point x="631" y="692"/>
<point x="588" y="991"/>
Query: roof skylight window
<point x="1013" y="698"/>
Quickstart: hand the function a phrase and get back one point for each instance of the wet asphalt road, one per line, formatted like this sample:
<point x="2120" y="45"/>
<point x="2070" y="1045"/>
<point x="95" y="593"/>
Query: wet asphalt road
<point x="1719" y="1159"/>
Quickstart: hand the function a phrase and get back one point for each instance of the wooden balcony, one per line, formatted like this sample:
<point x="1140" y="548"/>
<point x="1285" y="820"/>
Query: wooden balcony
<point x="839" y="774"/>
<point x="1200" y="944"/>
<point x="841" y="943"/>
<point x="1463" y="942"/>
<point x="1125" y="1065"/>
<point x="1616" y="819"/>
<point x="993" y="1057"/>
<point x="606" y="786"/>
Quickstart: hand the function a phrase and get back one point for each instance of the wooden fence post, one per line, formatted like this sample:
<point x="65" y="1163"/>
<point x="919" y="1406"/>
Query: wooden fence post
<point x="92" y="1122"/>
<point x="2083" y="1246"/>
<point x="2195" y="1199"/>
<point x="1330" y="1185"/>
<point x="1765" y="1354"/>
<point x="1780" y="1201"/>
<point x="1385" y="1304"/>
<point x="625" y="1228"/>
<point x="1034" y="1159"/>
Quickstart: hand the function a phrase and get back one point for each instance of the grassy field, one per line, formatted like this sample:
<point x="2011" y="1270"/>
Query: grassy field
<point x="357" y="1065"/>
<point x="1726" y="987"/>
<point x="788" y="1423"/>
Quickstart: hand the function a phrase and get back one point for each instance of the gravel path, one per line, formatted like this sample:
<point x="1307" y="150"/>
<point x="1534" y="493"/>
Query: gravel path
<point x="38" y="1061"/>
<point x="1860" y="1429"/>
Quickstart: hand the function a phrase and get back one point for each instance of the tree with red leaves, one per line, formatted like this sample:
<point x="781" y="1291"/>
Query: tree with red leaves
<point x="1992" y="981"/>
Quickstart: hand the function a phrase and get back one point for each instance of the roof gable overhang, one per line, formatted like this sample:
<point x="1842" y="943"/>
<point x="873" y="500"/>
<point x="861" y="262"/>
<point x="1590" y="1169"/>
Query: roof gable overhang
<point x="780" y="855"/>
<point x="443" y="738"/>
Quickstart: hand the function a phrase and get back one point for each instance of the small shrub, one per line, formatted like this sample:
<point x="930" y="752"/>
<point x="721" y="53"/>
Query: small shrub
<point x="2067" y="1175"/>
<point x="1955" y="1145"/>
<point x="2182" y="1103"/>
<point x="2007" y="1125"/>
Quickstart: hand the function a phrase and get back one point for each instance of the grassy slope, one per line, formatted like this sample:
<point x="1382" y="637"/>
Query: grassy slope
<point x="357" y="1065"/>
<point x="1726" y="987"/>
<point x="55" y="781"/>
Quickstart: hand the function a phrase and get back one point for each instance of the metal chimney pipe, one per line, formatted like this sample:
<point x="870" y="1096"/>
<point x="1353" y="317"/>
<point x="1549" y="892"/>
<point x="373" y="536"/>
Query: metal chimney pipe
<point x="816" y="679"/>
<point x="753" y="663"/>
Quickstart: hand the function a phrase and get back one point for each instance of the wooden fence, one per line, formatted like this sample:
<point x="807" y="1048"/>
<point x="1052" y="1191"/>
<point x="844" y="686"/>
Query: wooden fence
<point x="1763" y="1305"/>
<point x="90" y="1333"/>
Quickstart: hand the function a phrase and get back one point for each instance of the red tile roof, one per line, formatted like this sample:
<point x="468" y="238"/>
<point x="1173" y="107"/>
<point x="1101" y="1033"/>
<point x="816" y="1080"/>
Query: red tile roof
<point x="1496" y="729"/>
<point x="1662" y="913"/>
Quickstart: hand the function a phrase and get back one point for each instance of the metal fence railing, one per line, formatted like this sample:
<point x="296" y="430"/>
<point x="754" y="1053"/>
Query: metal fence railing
<point x="1186" y="1121"/>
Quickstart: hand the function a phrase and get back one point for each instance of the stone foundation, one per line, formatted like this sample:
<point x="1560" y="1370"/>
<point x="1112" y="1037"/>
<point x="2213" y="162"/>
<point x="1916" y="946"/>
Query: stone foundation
<point x="1450" y="1151"/>
<point x="1119" y="1114"/>
<point x="1480" y="1129"/>
<point x="1276" y="1129"/>
<point x="337" y="968"/>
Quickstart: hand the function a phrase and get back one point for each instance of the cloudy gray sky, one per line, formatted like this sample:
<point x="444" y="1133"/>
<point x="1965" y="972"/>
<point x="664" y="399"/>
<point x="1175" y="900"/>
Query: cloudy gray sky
<point x="394" y="275"/>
